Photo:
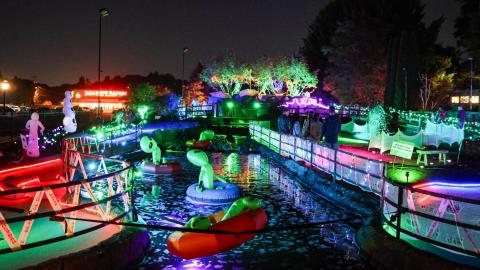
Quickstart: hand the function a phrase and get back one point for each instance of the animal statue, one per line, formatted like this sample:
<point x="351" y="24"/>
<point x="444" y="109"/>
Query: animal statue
<point x="32" y="143"/>
<point x="149" y="145"/>
<point x="206" y="177"/>
<point x="69" y="121"/>
<point x="237" y="207"/>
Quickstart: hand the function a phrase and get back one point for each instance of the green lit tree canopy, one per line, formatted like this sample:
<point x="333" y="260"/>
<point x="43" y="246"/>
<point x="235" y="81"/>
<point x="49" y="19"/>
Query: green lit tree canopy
<point x="140" y="95"/>
<point x="296" y="76"/>
<point x="229" y="76"/>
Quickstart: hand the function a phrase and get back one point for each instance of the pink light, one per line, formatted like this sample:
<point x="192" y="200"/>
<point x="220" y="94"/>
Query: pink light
<point x="30" y="166"/>
<point x="304" y="102"/>
<point x="444" y="184"/>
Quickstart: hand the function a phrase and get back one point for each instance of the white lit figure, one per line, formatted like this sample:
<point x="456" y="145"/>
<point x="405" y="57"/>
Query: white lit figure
<point x="32" y="125"/>
<point x="69" y="121"/>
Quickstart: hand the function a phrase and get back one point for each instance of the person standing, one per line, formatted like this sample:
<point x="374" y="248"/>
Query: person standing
<point x="284" y="125"/>
<point x="462" y="116"/>
<point x="331" y="128"/>
<point x="316" y="127"/>
<point x="297" y="127"/>
<point x="306" y="125"/>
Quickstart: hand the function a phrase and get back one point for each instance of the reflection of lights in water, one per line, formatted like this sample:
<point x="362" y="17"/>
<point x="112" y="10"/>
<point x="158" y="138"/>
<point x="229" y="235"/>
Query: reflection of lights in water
<point x="192" y="264"/>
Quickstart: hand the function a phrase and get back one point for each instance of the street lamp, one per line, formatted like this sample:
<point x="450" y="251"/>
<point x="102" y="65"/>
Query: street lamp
<point x="406" y="86"/>
<point x="184" y="51"/>
<point x="5" y="85"/>
<point x="471" y="81"/>
<point x="103" y="12"/>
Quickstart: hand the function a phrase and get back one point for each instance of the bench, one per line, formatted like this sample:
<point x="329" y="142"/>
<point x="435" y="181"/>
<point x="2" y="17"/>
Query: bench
<point x="442" y="156"/>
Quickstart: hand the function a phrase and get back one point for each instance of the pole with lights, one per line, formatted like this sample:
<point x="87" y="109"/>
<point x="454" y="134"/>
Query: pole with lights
<point x="471" y="81"/>
<point x="406" y="86"/>
<point x="184" y="51"/>
<point x="5" y="85"/>
<point x="103" y="12"/>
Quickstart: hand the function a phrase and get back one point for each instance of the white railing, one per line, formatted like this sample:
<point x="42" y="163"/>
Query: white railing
<point x="363" y="172"/>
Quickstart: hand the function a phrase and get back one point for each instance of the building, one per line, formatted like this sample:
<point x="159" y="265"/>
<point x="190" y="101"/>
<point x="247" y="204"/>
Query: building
<point x="462" y="97"/>
<point x="110" y="99"/>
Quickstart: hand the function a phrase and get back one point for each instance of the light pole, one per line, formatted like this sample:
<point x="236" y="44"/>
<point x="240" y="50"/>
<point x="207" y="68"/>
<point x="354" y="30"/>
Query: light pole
<point x="406" y="86"/>
<point x="103" y="12"/>
<point x="184" y="51"/>
<point x="5" y="85"/>
<point x="471" y="81"/>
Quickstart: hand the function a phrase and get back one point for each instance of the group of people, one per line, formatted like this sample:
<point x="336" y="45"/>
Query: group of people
<point x="440" y="115"/>
<point x="312" y="126"/>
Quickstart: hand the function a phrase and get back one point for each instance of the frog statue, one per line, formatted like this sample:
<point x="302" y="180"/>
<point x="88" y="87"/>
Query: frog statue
<point x="206" y="177"/>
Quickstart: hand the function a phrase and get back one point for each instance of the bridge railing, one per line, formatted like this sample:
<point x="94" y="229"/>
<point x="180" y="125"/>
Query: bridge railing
<point x="413" y="213"/>
<point x="409" y="212"/>
<point x="363" y="172"/>
<point x="112" y="202"/>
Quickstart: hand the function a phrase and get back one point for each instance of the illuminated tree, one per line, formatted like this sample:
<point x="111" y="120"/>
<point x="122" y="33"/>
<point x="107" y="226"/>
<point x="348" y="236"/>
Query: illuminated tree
<point x="264" y="76"/>
<point x="143" y="94"/>
<point x="296" y="76"/>
<point x="227" y="75"/>
<point x="438" y="85"/>
<point x="193" y="90"/>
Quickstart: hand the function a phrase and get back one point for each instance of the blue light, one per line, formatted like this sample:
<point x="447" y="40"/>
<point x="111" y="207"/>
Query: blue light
<point x="91" y="166"/>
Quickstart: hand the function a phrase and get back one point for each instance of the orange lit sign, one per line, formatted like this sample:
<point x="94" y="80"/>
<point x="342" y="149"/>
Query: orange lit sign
<point x="464" y="99"/>
<point x="455" y="100"/>
<point x="474" y="99"/>
<point x="105" y="93"/>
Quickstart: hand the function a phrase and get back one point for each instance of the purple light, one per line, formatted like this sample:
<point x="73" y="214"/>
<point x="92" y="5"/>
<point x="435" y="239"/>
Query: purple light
<point x="305" y="102"/>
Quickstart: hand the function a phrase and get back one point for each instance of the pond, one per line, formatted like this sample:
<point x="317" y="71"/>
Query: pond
<point x="286" y="203"/>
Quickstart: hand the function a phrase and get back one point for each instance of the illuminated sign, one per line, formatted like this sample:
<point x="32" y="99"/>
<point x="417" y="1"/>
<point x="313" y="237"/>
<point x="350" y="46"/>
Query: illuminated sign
<point x="475" y="99"/>
<point x="464" y="99"/>
<point x="305" y="102"/>
<point x="105" y="93"/>
<point x="455" y="100"/>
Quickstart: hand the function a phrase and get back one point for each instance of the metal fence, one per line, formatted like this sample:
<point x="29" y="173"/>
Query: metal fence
<point x="411" y="213"/>
<point x="363" y="172"/>
<point x="187" y="112"/>
<point x="446" y="221"/>
<point x="116" y="177"/>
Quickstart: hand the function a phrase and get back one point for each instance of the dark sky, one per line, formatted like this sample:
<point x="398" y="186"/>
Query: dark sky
<point x="57" y="41"/>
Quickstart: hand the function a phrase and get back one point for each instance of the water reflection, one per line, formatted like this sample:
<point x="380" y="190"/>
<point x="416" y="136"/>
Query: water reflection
<point x="286" y="203"/>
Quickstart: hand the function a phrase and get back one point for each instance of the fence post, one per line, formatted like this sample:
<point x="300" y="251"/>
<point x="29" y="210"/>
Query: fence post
<point x="269" y="139"/>
<point x="311" y="154"/>
<point x="335" y="165"/>
<point x="399" y="211"/>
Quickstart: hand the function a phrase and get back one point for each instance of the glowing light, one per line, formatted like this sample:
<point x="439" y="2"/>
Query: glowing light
<point x="30" y="166"/>
<point x="91" y="166"/>
<point x="257" y="105"/>
<point x="105" y="93"/>
<point x="446" y="184"/>
<point x="230" y="104"/>
<point x="305" y="102"/>
<point x="475" y="99"/>
<point x="5" y="85"/>
<point x="143" y="112"/>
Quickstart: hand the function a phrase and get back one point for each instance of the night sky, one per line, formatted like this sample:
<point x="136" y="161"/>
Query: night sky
<point x="57" y="41"/>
